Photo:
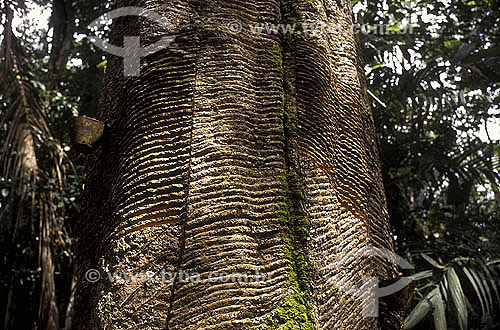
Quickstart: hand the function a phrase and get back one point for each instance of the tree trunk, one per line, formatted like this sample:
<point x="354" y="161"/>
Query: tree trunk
<point x="62" y="21"/>
<point x="249" y="153"/>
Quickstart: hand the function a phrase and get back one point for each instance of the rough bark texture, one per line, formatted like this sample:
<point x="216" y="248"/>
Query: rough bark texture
<point x="235" y="153"/>
<point x="62" y="21"/>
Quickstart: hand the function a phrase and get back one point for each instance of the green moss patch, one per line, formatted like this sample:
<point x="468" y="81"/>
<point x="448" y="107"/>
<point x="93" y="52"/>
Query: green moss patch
<point x="295" y="311"/>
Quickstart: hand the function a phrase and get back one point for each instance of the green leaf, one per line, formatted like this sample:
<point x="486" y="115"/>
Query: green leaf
<point x="493" y="277"/>
<point x="458" y="297"/>
<point x="487" y="290"/>
<point x="421" y="275"/>
<point x="443" y="287"/>
<point x="476" y="285"/>
<point x="5" y="192"/>
<point x="394" y="28"/>
<point x="419" y="312"/>
<point x="432" y="261"/>
<point x="438" y="311"/>
<point x="452" y="43"/>
<point x="103" y="64"/>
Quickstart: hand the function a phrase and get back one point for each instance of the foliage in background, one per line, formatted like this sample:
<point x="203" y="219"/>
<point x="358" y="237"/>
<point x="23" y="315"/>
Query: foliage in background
<point x="41" y="176"/>
<point x="434" y="87"/>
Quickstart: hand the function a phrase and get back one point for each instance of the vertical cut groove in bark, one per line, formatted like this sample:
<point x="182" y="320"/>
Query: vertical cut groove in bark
<point x="185" y="220"/>
<point x="191" y="178"/>
<point x="234" y="183"/>
<point x="236" y="166"/>
<point x="295" y="311"/>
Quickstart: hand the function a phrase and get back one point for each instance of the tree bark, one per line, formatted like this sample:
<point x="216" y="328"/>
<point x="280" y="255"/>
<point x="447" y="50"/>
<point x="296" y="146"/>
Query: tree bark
<point x="235" y="152"/>
<point x="22" y="167"/>
<point x="62" y="21"/>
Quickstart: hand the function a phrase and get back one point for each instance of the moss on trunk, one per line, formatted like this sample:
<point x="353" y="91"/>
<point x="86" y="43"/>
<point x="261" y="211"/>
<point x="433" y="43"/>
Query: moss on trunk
<point x="295" y="311"/>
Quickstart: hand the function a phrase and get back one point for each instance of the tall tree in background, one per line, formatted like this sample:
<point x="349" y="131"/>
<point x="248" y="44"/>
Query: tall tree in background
<point x="30" y="157"/>
<point x="235" y="152"/>
<point x="35" y="209"/>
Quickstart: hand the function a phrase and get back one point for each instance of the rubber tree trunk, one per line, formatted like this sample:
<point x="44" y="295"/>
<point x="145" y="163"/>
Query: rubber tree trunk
<point x="248" y="153"/>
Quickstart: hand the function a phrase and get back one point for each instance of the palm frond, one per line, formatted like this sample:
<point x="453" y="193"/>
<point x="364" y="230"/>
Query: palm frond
<point x="31" y="156"/>
<point x="460" y="283"/>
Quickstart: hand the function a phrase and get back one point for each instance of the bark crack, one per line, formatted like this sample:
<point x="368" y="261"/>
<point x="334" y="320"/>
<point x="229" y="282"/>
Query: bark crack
<point x="182" y="239"/>
<point x="291" y="210"/>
